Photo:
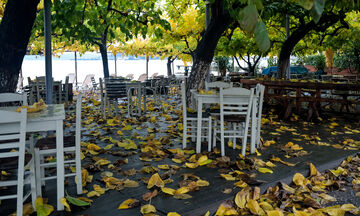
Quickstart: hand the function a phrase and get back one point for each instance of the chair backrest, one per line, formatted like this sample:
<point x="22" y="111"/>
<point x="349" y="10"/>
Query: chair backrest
<point x="115" y="88"/>
<point x="93" y="82"/>
<point x="259" y="91"/>
<point x="13" y="97"/>
<point x="234" y="106"/>
<point x="87" y="80"/>
<point x="30" y="81"/>
<point x="142" y="77"/>
<point x="154" y="75"/>
<point x="12" y="148"/>
<point x="217" y="84"/>
<point x="15" y="140"/>
<point x="40" y="79"/>
<point x="130" y="76"/>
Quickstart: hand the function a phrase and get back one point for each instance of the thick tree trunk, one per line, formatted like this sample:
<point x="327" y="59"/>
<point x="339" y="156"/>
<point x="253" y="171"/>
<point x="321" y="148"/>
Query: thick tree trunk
<point x="325" y="22"/>
<point x="168" y="66"/>
<point x="15" y="31"/>
<point x="204" y="52"/>
<point x="104" y="57"/>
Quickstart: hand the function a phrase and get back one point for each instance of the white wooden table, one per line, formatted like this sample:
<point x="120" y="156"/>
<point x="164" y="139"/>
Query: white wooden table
<point x="215" y="99"/>
<point x="50" y="119"/>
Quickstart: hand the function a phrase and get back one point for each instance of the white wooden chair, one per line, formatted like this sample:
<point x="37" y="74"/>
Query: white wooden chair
<point x="13" y="97"/>
<point x="190" y="122"/>
<point x="236" y="113"/>
<point x="217" y="84"/>
<point x="47" y="147"/>
<point x="11" y="160"/>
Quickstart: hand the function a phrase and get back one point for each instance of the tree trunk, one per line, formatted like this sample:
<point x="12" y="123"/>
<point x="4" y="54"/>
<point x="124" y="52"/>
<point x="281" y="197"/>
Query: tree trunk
<point x="15" y="31"/>
<point x="251" y="69"/>
<point x="104" y="57"/>
<point x="204" y="52"/>
<point x="168" y="66"/>
<point x="325" y="22"/>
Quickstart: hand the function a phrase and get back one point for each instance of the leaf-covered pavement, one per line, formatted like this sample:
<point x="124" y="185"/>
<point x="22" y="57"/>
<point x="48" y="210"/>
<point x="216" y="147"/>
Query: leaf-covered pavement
<point x="135" y="166"/>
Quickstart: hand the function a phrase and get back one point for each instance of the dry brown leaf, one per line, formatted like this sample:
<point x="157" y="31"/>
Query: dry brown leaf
<point x="149" y="195"/>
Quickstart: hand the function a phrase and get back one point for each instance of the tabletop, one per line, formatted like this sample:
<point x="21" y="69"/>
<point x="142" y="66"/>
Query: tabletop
<point x="52" y="112"/>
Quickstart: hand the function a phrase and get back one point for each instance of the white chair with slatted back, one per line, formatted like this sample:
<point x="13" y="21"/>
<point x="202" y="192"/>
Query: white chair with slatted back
<point x="13" y="157"/>
<point x="13" y="97"/>
<point x="190" y="122"/>
<point x="235" y="112"/>
<point x="217" y="84"/>
<point x="47" y="147"/>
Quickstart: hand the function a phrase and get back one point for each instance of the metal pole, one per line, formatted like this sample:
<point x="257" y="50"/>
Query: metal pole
<point x="48" y="66"/>
<point x="287" y="36"/>
<point x="147" y="67"/>
<point x="115" y="65"/>
<point x="76" y="72"/>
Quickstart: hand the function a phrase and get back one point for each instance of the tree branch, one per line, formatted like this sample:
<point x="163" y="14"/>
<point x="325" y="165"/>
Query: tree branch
<point x="125" y="14"/>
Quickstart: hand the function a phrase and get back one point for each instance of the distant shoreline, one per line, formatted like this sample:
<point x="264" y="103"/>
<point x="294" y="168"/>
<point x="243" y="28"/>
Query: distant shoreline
<point x="87" y="56"/>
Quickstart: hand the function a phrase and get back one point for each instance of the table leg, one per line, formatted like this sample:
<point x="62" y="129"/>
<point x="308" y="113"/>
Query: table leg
<point x="144" y="91"/>
<point x="199" y="122"/>
<point x="60" y="163"/>
<point x="139" y="100"/>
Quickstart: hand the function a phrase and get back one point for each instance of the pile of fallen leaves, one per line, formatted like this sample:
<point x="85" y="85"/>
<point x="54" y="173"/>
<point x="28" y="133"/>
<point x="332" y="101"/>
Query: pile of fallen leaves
<point x="304" y="197"/>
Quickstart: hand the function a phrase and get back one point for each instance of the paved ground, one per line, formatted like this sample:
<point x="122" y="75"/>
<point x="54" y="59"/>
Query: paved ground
<point x="324" y="143"/>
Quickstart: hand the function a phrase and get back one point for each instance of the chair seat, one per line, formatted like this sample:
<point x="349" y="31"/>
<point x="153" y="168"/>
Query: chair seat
<point x="50" y="142"/>
<point x="194" y="115"/>
<point x="11" y="163"/>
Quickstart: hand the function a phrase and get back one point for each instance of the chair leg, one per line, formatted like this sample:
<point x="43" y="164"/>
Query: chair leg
<point x="33" y="182"/>
<point x="32" y="172"/>
<point x="37" y="172"/>
<point x="214" y="133"/>
<point x="184" y="133"/>
<point x="20" y="192"/>
<point x="235" y="133"/>
<point x="78" y="173"/>
<point x="193" y="131"/>
<point x="222" y="135"/>
<point x="116" y="107"/>
<point x="246" y="131"/>
<point x="209" y="134"/>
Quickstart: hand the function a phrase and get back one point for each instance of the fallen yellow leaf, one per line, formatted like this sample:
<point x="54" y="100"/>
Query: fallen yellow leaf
<point x="264" y="170"/>
<point x="299" y="179"/>
<point x="146" y="209"/>
<point x="64" y="202"/>
<point x="155" y="180"/>
<point x="129" y="203"/>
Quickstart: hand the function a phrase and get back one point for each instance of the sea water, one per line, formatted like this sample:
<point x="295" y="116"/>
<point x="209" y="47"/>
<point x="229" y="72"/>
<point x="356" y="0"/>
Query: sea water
<point x="91" y="63"/>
